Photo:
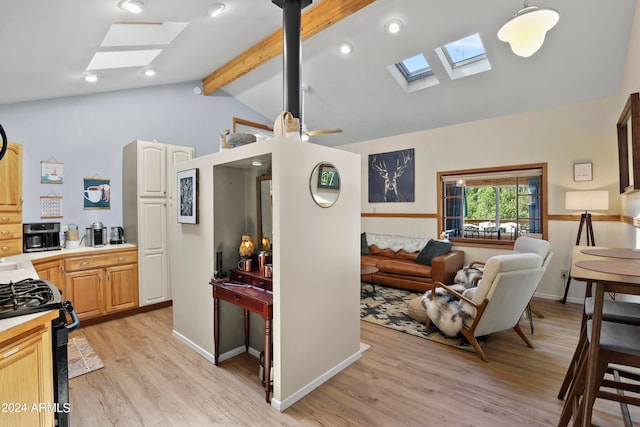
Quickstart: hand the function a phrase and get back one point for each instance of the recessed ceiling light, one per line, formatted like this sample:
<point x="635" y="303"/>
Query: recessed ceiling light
<point x="133" y="6"/>
<point x="150" y="72"/>
<point x="394" y="26"/>
<point x="216" y="9"/>
<point x="91" y="77"/>
<point x="345" y="48"/>
<point x="256" y="163"/>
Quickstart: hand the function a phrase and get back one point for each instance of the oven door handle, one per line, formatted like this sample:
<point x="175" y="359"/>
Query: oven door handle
<point x="68" y="307"/>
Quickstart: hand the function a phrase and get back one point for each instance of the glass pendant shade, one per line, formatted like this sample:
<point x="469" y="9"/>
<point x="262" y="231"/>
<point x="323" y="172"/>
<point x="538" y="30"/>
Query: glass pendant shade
<point x="525" y="32"/>
<point x="246" y="246"/>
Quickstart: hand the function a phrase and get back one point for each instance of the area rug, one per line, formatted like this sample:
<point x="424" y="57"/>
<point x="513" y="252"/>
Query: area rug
<point x="82" y="358"/>
<point x="389" y="307"/>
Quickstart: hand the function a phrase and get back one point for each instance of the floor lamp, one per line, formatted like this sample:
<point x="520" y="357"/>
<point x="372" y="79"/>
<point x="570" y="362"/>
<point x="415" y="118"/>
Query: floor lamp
<point x="585" y="201"/>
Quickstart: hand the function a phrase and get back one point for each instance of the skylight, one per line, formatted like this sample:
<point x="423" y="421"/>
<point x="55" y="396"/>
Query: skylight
<point x="465" y="51"/>
<point x="414" y="68"/>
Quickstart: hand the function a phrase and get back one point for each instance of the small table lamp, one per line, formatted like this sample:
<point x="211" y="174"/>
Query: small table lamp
<point x="246" y="246"/>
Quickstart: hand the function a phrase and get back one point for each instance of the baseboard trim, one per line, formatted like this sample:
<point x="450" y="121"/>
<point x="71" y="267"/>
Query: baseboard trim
<point x="285" y="403"/>
<point x="210" y="357"/>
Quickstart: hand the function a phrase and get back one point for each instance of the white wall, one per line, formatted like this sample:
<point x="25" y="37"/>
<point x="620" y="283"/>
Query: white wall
<point x="561" y="136"/>
<point x="316" y="327"/>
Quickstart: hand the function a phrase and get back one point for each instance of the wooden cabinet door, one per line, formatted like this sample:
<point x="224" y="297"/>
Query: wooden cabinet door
<point x="85" y="290"/>
<point x="27" y="379"/>
<point x="152" y="251"/>
<point x="51" y="271"/>
<point x="11" y="179"/>
<point x="152" y="169"/>
<point x="122" y="287"/>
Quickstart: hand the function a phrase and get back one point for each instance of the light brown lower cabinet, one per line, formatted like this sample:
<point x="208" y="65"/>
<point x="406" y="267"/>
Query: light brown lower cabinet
<point x="97" y="283"/>
<point x="26" y="374"/>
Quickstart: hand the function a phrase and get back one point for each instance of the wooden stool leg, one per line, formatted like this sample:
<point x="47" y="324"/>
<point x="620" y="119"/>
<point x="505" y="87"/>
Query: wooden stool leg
<point x="578" y="355"/>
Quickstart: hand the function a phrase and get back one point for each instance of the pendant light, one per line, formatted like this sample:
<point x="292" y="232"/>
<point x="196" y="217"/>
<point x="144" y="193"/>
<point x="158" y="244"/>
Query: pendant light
<point x="525" y="32"/>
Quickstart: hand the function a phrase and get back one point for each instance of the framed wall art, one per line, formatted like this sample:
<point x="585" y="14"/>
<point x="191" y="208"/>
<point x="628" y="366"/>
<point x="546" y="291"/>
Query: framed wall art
<point x="628" y="128"/>
<point x="96" y="193"/>
<point x="188" y="196"/>
<point x="392" y="176"/>
<point x="583" y="172"/>
<point x="51" y="172"/>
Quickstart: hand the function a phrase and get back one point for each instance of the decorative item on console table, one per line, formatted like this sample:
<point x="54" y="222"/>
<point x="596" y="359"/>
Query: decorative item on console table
<point x="246" y="251"/>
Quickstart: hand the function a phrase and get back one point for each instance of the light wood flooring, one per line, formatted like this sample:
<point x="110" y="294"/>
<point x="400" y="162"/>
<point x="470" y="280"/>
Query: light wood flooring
<point x="152" y="379"/>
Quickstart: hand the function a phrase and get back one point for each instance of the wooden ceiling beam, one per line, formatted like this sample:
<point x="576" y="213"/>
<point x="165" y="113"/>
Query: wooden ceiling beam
<point x="314" y="20"/>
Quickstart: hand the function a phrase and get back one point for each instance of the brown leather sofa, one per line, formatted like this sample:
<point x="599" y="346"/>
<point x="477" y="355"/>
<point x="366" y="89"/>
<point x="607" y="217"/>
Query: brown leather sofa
<point x="400" y="270"/>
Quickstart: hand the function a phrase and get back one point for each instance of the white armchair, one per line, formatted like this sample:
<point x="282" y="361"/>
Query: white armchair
<point x="497" y="303"/>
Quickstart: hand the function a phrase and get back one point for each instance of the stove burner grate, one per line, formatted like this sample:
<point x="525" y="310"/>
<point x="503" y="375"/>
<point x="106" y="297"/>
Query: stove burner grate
<point x="27" y="296"/>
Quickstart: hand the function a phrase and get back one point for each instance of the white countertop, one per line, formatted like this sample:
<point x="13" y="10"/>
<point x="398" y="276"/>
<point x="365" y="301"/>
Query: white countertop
<point x="21" y="268"/>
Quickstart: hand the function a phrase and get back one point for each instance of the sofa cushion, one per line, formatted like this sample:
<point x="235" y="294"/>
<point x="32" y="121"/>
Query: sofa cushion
<point x="369" y="260"/>
<point x="364" y="246"/>
<point x="374" y="250"/>
<point x="404" y="267"/>
<point x="410" y="256"/>
<point x="433" y="249"/>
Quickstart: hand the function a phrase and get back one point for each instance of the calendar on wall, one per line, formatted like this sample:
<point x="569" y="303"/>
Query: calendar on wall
<point x="51" y="207"/>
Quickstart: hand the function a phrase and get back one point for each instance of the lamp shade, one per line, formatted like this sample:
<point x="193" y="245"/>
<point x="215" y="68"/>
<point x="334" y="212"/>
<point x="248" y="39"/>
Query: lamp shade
<point x="587" y="200"/>
<point x="525" y="32"/>
<point x="246" y="246"/>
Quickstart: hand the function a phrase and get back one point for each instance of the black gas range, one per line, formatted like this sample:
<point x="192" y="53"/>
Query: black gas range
<point x="30" y="296"/>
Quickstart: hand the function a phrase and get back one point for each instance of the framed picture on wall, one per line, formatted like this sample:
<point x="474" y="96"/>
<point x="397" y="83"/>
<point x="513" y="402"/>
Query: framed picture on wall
<point x="97" y="193"/>
<point x="51" y="172"/>
<point x="392" y="176"/>
<point x="628" y="128"/>
<point x="582" y="172"/>
<point x="188" y="196"/>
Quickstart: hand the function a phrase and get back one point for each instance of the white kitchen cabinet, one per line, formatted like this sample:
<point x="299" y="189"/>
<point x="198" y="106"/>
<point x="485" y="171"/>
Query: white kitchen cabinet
<point x="149" y="186"/>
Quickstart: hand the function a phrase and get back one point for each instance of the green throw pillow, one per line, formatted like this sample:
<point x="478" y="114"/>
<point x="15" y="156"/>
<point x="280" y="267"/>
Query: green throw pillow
<point x="433" y="249"/>
<point x="364" y="246"/>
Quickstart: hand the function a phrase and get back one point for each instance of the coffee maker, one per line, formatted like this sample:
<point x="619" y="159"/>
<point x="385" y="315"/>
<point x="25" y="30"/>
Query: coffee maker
<point x="97" y="235"/>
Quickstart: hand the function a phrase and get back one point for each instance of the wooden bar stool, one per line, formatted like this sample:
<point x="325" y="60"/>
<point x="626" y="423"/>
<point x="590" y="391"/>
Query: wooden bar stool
<point x="614" y="311"/>
<point x="619" y="344"/>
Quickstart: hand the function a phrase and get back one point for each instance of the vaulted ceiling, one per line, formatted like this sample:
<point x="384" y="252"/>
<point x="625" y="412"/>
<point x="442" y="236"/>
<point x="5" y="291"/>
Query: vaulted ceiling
<point x="45" y="47"/>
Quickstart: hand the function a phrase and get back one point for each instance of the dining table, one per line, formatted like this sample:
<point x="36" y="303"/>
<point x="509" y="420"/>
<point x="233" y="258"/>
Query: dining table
<point x="606" y="270"/>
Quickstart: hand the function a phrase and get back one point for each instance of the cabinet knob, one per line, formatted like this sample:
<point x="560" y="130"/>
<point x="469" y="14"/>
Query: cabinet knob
<point x="5" y="232"/>
<point x="5" y="248"/>
<point x="121" y="258"/>
<point x="5" y="218"/>
<point x="85" y="263"/>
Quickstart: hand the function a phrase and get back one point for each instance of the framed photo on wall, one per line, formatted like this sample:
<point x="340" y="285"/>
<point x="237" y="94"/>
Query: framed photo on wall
<point x="188" y="196"/>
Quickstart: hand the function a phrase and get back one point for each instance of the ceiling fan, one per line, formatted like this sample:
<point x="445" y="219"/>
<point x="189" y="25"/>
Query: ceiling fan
<point x="304" y="89"/>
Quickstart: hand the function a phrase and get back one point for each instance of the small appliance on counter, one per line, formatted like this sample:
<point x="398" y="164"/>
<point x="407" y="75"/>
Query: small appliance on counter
<point x="96" y="235"/>
<point x="72" y="237"/>
<point x="116" y="236"/>
<point x="41" y="236"/>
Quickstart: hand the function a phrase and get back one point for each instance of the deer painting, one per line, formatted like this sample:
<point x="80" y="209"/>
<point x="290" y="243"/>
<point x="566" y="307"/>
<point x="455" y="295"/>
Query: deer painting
<point x="391" y="167"/>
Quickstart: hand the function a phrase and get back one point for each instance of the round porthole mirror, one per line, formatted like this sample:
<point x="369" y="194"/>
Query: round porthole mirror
<point x="324" y="184"/>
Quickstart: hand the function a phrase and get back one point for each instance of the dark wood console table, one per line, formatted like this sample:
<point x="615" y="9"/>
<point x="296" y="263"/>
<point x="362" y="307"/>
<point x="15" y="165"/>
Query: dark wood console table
<point x="249" y="298"/>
